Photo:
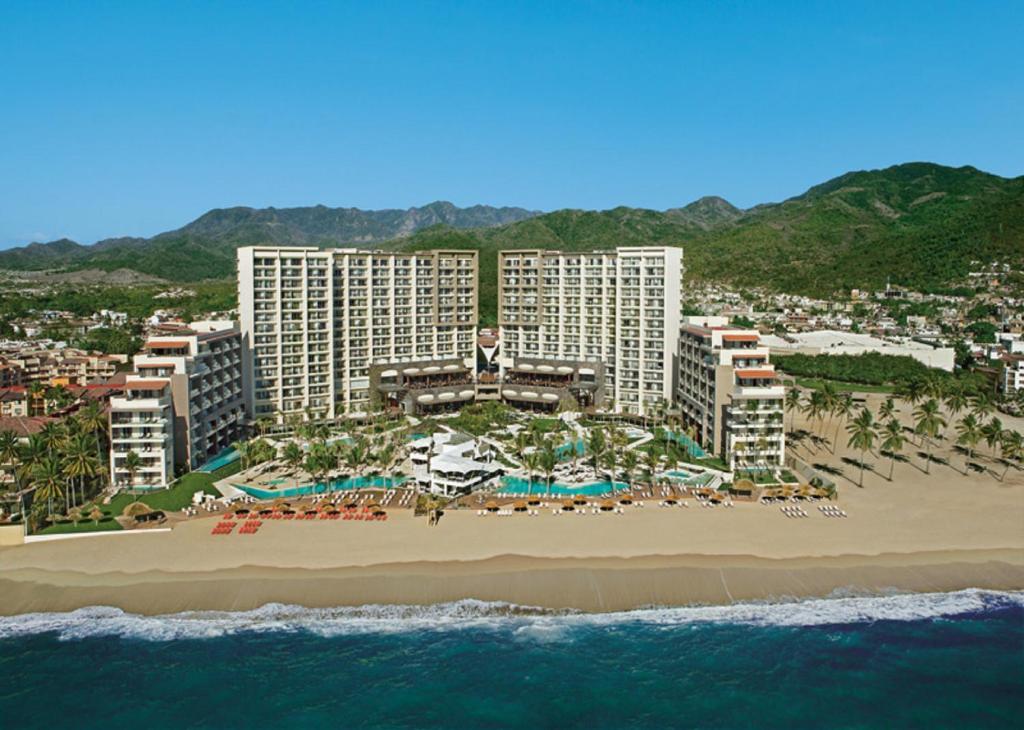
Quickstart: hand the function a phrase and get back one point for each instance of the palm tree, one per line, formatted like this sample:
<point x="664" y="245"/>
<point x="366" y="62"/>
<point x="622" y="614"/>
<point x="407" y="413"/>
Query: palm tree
<point x="596" y="445"/>
<point x="814" y="406"/>
<point x="887" y="411"/>
<point x="532" y="463"/>
<point x="293" y="455"/>
<point x="31" y="455"/>
<point x="982" y="405"/>
<point x="969" y="434"/>
<point x="992" y="432"/>
<point x="862" y="437"/>
<point x="132" y="462"/>
<point x="793" y="401"/>
<point x="927" y="423"/>
<point x="843" y="408"/>
<point x="49" y="481"/>
<point x="912" y="391"/>
<point x="893" y="441"/>
<point x="651" y="465"/>
<point x="54" y="435"/>
<point x="629" y="462"/>
<point x="10" y="453"/>
<point x="1011" y="447"/>
<point x="93" y="420"/>
<point x="36" y="400"/>
<point x="242" y="449"/>
<point x="956" y="401"/>
<point x="547" y="460"/>
<point x="522" y="443"/>
<point x="610" y="460"/>
<point x="80" y="462"/>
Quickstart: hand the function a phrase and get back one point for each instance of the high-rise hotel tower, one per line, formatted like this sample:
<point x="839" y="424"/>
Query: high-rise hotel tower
<point x="317" y="321"/>
<point x="619" y="308"/>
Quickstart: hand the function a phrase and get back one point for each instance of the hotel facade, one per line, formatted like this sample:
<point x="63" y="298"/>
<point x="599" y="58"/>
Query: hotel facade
<point x="318" y="323"/>
<point x="182" y="405"/>
<point x="607" y="322"/>
<point x="729" y="393"/>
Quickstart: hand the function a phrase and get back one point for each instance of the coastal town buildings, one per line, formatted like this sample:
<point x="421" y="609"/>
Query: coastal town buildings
<point x="50" y="363"/>
<point x="561" y="312"/>
<point x="314" y="322"/>
<point x="729" y="393"/>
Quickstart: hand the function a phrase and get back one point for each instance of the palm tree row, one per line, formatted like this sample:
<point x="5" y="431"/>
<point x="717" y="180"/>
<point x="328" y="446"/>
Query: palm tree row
<point x="65" y="460"/>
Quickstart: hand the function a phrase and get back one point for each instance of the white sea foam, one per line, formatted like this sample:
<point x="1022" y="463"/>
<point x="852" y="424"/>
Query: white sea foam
<point x="525" y="623"/>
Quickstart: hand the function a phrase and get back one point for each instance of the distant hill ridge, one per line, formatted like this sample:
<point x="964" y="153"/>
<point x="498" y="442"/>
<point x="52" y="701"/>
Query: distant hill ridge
<point x="917" y="224"/>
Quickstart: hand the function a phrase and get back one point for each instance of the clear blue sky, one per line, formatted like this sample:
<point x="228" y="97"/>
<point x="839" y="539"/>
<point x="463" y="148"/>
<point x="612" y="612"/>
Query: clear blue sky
<point x="133" y="118"/>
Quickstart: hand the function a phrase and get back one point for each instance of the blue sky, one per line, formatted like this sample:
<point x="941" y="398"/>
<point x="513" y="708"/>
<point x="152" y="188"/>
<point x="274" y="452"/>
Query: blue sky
<point x="134" y="118"/>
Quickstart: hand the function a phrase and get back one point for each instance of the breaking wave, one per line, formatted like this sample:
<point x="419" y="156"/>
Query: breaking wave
<point x="526" y="623"/>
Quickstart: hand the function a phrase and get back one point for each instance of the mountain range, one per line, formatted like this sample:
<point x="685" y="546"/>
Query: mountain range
<point x="917" y="224"/>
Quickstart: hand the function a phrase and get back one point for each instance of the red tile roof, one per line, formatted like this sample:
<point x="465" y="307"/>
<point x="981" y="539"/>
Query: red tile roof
<point x="744" y="337"/>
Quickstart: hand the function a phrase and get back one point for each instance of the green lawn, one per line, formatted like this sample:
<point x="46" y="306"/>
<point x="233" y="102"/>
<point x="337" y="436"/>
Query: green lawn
<point x="841" y="385"/>
<point x="107" y="524"/>
<point x="169" y="500"/>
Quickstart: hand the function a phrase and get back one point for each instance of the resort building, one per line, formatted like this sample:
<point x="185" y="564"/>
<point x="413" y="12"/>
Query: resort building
<point x="451" y="464"/>
<point x="142" y="422"/>
<point x="729" y="393"/>
<point x="1013" y="375"/>
<point x="562" y="312"/>
<point x="316" y="322"/>
<point x="201" y="366"/>
<point x="203" y="363"/>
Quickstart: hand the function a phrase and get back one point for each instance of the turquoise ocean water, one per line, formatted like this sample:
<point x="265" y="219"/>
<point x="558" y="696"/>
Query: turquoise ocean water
<point x="932" y="661"/>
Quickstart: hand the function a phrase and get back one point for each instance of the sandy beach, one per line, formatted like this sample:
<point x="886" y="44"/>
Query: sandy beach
<point x="920" y="532"/>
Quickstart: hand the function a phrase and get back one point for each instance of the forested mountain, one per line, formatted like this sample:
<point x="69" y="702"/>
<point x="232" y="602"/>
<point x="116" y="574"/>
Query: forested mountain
<point x="205" y="247"/>
<point x="917" y="224"/>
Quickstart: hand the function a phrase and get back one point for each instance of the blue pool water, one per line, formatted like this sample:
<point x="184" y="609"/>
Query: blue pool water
<point x="678" y="474"/>
<point x="518" y="485"/>
<point x="228" y="456"/>
<point x="336" y="486"/>
<point x="687" y="443"/>
<point x="933" y="661"/>
<point x="565" y="450"/>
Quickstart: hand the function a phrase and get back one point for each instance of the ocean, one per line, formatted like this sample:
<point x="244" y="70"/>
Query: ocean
<point x="950" y="660"/>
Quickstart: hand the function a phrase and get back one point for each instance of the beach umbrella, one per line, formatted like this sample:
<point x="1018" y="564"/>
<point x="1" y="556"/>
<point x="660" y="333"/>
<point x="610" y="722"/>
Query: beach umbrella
<point x="567" y="504"/>
<point x="519" y="506"/>
<point x="579" y="499"/>
<point x="491" y="506"/>
<point x="625" y="499"/>
<point x="670" y="500"/>
<point x="607" y="505"/>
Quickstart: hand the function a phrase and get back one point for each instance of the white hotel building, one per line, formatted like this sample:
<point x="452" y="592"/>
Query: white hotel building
<point x="182" y="406"/>
<point x="315" y="321"/>
<point x="620" y="308"/>
<point x="730" y="394"/>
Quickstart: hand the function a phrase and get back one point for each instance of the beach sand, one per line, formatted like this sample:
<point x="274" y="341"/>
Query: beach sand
<point x="938" y="532"/>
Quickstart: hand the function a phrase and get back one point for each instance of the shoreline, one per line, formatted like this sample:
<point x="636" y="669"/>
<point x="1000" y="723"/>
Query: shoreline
<point x="591" y="584"/>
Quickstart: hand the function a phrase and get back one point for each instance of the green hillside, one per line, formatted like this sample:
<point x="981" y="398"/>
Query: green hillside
<point x="918" y="224"/>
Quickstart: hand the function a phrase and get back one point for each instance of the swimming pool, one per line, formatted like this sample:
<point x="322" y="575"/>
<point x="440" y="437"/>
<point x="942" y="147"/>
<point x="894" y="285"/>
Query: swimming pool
<point x="339" y="485"/>
<point x="687" y="443"/>
<point x="227" y="456"/>
<point x="518" y="485"/>
<point x="678" y="474"/>
<point x="564" y="451"/>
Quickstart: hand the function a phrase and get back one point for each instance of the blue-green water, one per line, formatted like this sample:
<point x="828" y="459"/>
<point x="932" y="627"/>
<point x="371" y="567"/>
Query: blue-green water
<point x="928" y="661"/>
<point x="339" y="485"/>
<point x="519" y="485"/>
<point x="227" y="456"/>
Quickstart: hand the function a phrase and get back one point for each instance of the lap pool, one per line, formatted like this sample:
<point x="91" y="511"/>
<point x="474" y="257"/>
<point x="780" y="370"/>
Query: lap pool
<point x="518" y="485"/>
<point x="339" y="485"/>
